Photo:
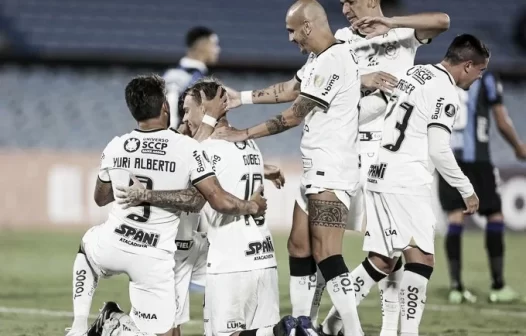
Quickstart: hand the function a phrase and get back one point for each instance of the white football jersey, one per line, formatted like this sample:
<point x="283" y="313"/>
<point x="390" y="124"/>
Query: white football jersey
<point x="329" y="143"/>
<point x="189" y="223"/>
<point x="389" y="53"/>
<point x="426" y="96"/>
<point x="237" y="243"/>
<point x="161" y="160"/>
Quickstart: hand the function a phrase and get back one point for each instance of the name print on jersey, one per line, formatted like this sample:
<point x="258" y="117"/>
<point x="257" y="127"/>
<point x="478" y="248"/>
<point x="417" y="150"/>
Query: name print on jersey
<point x="261" y="249"/>
<point x="147" y="164"/>
<point x="137" y="237"/>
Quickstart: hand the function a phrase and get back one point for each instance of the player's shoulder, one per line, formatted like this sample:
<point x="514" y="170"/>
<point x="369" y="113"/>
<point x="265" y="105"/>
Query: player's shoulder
<point x="345" y="34"/>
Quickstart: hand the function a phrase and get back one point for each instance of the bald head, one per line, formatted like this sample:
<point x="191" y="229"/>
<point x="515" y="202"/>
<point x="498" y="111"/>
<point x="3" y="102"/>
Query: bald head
<point x="308" y="26"/>
<point x="307" y="10"/>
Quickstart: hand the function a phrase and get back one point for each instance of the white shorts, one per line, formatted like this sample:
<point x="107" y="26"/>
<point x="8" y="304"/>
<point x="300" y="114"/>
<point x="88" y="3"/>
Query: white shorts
<point x="152" y="280"/>
<point x="310" y="189"/>
<point x="357" y="216"/>
<point x="191" y="269"/>
<point x="241" y="301"/>
<point x="398" y="221"/>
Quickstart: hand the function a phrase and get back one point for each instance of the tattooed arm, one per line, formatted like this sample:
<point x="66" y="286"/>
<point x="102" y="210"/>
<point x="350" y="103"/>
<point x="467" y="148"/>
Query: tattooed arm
<point x="278" y="93"/>
<point x="103" y="193"/>
<point x="191" y="199"/>
<point x="291" y="117"/>
<point x="188" y="200"/>
<point x="226" y="203"/>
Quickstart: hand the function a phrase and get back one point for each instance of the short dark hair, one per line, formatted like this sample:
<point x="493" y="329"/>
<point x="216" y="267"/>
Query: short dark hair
<point x="465" y="48"/>
<point x="208" y="85"/>
<point x="145" y="96"/>
<point x="197" y="33"/>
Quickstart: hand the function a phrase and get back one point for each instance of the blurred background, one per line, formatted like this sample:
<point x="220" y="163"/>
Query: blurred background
<point x="63" y="68"/>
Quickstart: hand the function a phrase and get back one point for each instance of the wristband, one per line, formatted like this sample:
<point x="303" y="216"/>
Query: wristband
<point x="246" y="97"/>
<point x="211" y="121"/>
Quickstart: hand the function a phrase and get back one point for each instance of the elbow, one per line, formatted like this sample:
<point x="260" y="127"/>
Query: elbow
<point x="443" y="22"/>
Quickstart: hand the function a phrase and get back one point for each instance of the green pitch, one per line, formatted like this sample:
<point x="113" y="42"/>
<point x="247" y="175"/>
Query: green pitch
<point x="35" y="288"/>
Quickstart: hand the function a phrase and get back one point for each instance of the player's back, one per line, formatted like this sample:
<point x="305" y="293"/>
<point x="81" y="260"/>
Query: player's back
<point x="161" y="160"/>
<point x="237" y="243"/>
<point x="424" y="97"/>
<point x="329" y="142"/>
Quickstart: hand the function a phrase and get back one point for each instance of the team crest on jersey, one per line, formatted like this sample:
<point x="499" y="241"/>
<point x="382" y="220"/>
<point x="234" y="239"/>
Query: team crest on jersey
<point x="319" y="80"/>
<point x="391" y="50"/>
<point x="132" y="145"/>
<point x="450" y="110"/>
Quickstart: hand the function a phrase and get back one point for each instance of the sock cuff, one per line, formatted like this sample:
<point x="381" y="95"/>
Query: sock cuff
<point x="332" y="267"/>
<point x="398" y="265"/>
<point x="373" y="271"/>
<point x="420" y="269"/>
<point x="495" y="227"/>
<point x="455" y="229"/>
<point x="300" y="267"/>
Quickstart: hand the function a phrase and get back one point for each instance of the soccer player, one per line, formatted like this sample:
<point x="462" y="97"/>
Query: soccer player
<point x="140" y="241"/>
<point x="202" y="51"/>
<point x="416" y="139"/>
<point x="328" y="102"/>
<point x="383" y="45"/>
<point x="470" y="142"/>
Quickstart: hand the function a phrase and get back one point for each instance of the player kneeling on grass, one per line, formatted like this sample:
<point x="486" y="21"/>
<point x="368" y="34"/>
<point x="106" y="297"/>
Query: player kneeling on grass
<point x="242" y="283"/>
<point x="140" y="241"/>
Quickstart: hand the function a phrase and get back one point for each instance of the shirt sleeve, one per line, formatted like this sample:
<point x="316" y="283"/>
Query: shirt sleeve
<point x="199" y="168"/>
<point x="442" y="157"/>
<point x="324" y="82"/>
<point x="442" y="107"/>
<point x="106" y="161"/>
<point x="493" y="89"/>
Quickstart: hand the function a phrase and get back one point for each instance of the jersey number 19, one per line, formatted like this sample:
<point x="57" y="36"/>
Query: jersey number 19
<point x="252" y="183"/>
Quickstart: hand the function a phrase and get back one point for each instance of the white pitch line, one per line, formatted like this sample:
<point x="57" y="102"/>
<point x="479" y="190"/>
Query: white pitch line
<point x="429" y="307"/>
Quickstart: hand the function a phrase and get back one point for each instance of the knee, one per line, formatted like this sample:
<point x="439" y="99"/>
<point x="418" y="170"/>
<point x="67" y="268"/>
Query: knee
<point x="298" y="247"/>
<point x="456" y="217"/>
<point x="381" y="263"/>
<point x="496" y="218"/>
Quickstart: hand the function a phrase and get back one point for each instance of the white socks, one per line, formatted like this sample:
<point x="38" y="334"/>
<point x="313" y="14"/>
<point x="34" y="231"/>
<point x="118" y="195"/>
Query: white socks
<point x="342" y="295"/>
<point x="315" y="307"/>
<point x="302" y="291"/>
<point x="412" y="300"/>
<point x="84" y="285"/>
<point x="389" y="288"/>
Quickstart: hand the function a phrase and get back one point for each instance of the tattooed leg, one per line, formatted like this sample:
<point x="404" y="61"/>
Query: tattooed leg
<point x="327" y="220"/>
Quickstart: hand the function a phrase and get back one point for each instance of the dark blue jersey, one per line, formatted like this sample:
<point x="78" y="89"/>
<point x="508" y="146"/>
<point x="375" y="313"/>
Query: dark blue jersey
<point x="473" y="144"/>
